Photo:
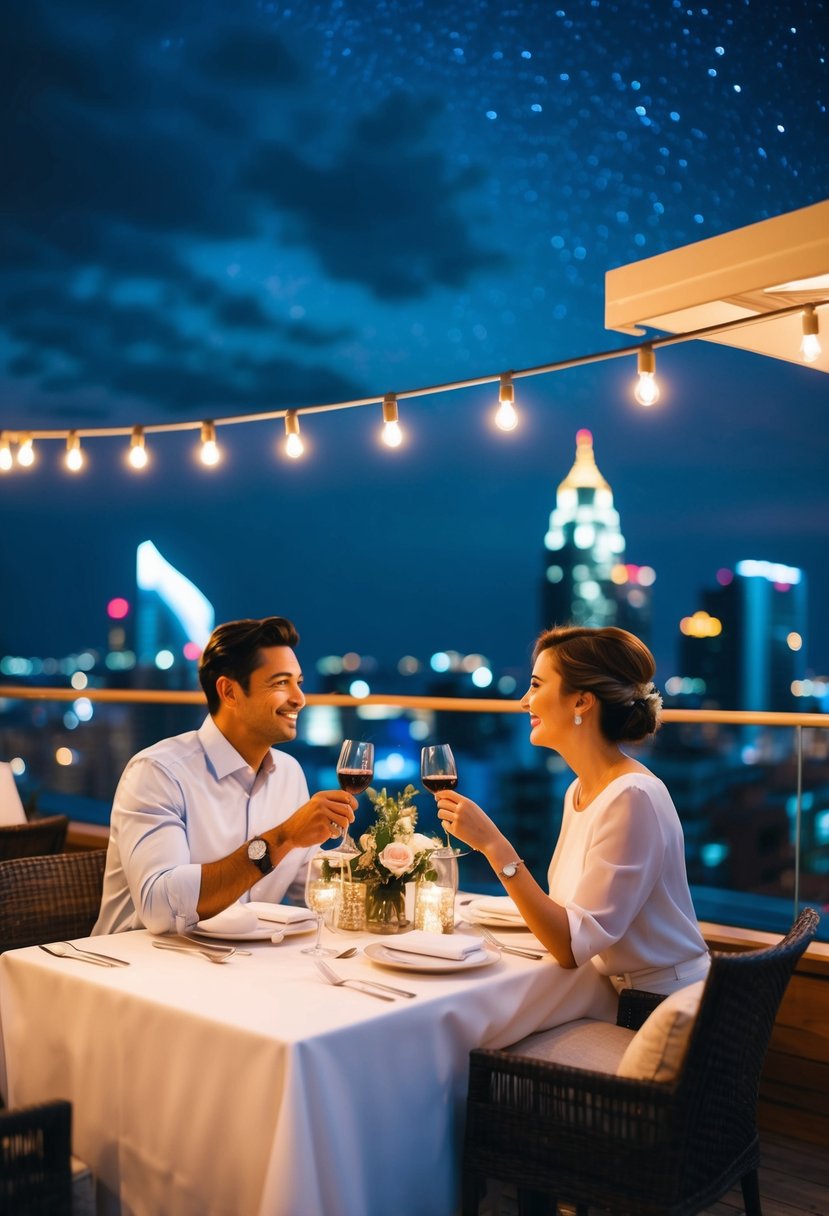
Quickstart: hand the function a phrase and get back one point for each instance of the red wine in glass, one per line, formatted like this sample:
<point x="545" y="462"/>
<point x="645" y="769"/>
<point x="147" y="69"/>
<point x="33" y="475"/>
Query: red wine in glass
<point x="354" y="780"/>
<point x="438" y="771"/>
<point x="436" y="784"/>
<point x="355" y="770"/>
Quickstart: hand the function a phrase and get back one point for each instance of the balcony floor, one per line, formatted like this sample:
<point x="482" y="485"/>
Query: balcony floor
<point x="794" y="1181"/>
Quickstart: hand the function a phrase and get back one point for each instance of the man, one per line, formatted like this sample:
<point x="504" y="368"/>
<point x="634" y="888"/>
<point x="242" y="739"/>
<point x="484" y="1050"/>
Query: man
<point x="209" y="817"/>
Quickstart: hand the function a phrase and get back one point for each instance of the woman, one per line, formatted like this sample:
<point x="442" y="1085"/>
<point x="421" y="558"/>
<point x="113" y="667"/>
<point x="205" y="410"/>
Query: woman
<point x="618" y="888"/>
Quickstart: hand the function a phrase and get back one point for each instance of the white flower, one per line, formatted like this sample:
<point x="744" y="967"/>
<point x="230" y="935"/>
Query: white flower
<point x="405" y="827"/>
<point x="421" y="843"/>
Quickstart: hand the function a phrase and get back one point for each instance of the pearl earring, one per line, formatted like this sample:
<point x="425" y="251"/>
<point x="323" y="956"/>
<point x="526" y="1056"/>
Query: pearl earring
<point x="577" y="720"/>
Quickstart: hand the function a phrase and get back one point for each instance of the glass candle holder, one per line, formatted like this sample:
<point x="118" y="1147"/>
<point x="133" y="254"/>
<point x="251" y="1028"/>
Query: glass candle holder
<point x="434" y="908"/>
<point x="352" y="905"/>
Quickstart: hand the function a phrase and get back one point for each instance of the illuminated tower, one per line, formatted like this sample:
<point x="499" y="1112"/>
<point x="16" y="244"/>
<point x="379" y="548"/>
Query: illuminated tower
<point x="173" y="619"/>
<point x="747" y="643"/>
<point x="586" y="580"/>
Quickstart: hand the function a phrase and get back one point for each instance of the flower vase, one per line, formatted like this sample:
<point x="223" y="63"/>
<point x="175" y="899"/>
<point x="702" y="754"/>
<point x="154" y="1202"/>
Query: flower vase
<point x="386" y="907"/>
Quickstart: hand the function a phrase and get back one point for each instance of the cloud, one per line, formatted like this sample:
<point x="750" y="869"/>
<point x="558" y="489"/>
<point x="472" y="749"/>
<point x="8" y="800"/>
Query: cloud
<point x="387" y="212"/>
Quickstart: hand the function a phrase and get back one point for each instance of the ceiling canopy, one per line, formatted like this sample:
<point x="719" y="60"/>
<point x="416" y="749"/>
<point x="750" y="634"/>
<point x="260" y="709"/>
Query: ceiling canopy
<point x="778" y="263"/>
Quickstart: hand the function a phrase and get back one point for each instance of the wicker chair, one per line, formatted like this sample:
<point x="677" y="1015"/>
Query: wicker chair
<point x="35" y="1160"/>
<point x="47" y="899"/>
<point x="641" y="1148"/>
<point x="33" y="839"/>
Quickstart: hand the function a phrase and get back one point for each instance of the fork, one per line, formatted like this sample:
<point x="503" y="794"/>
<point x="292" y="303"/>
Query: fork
<point x="499" y="945"/>
<point x="210" y="955"/>
<point x="110" y="958"/>
<point x="369" y="987"/>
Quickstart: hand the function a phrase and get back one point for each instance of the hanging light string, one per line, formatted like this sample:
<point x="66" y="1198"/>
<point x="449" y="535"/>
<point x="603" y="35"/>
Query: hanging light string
<point x="210" y="452"/>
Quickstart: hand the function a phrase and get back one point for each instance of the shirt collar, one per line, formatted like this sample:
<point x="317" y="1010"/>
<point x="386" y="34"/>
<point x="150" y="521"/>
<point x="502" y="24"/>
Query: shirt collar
<point x="223" y="756"/>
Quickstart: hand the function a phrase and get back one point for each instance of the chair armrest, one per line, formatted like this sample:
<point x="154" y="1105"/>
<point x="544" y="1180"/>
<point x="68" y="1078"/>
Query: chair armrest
<point x="635" y="1005"/>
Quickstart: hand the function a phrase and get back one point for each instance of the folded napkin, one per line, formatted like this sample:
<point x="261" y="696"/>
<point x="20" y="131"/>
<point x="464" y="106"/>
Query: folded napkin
<point x="238" y="918"/>
<point x="497" y="905"/>
<point x="438" y="945"/>
<point x="280" y="914"/>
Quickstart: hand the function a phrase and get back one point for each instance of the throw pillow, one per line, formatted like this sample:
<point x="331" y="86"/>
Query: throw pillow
<point x="656" y="1051"/>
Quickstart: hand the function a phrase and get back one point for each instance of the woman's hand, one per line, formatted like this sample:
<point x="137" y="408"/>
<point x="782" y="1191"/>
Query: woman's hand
<point x="465" y="819"/>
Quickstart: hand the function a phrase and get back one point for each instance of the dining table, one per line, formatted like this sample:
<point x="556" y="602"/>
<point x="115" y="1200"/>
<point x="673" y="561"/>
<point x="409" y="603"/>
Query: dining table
<point x="256" y="1087"/>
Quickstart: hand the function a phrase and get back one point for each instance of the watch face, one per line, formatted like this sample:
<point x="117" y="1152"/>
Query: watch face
<point x="257" y="850"/>
<point x="509" y="870"/>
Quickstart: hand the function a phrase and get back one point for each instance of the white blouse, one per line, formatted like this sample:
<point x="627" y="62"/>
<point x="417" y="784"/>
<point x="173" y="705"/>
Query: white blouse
<point x="619" y="870"/>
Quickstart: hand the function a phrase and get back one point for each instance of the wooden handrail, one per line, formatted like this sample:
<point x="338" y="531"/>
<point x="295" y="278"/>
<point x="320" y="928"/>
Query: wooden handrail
<point x="483" y="705"/>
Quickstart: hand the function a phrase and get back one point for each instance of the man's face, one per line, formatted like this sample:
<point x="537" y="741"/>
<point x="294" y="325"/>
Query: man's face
<point x="268" y="710"/>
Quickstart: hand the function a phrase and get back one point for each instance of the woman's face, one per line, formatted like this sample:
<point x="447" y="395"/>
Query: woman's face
<point x="551" y="711"/>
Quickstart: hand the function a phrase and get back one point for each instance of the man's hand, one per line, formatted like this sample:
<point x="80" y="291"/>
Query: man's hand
<point x="326" y="815"/>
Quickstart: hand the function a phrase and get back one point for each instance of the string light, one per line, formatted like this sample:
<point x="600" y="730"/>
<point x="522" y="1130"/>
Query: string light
<point x="647" y="390"/>
<point x="210" y="453"/>
<point x="506" y="418"/>
<point x="26" y="451"/>
<point x="294" y="447"/>
<point x="74" y="458"/>
<point x="137" y="455"/>
<point x="810" y="348"/>
<point x="392" y="435"/>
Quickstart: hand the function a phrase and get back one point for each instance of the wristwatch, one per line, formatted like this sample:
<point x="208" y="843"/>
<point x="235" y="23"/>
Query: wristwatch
<point x="260" y="855"/>
<point x="511" y="868"/>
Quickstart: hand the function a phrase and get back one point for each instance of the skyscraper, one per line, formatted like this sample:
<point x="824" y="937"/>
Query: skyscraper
<point x="173" y="617"/>
<point x="586" y="579"/>
<point x="747" y="643"/>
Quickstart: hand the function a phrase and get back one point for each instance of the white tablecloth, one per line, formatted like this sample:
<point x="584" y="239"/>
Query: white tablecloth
<point x="255" y="1088"/>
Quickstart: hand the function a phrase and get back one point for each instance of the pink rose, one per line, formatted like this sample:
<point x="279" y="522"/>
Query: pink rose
<point x="397" y="857"/>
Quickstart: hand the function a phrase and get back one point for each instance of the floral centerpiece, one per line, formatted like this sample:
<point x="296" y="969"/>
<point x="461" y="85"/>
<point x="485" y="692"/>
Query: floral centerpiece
<point x="391" y="854"/>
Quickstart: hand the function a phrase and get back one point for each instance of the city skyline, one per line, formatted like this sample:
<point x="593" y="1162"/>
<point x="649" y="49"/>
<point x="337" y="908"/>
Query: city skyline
<point x="211" y="213"/>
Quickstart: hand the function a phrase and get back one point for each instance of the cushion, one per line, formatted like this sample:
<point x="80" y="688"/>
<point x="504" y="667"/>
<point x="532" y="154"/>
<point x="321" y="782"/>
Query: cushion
<point x="583" y="1043"/>
<point x="656" y="1051"/>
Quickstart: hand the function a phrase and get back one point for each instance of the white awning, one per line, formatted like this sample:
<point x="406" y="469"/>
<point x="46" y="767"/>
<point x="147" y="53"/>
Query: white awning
<point x="771" y="265"/>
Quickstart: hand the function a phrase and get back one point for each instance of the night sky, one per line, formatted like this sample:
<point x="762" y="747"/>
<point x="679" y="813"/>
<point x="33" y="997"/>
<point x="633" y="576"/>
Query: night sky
<point x="211" y="209"/>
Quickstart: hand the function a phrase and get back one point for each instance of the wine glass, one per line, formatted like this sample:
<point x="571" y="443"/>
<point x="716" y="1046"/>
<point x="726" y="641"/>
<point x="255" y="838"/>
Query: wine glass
<point x="322" y="896"/>
<point x="355" y="770"/>
<point x="438" y="771"/>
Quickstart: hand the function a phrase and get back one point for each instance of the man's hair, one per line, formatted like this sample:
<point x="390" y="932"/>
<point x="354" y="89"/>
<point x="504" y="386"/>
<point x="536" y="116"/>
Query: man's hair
<point x="233" y="651"/>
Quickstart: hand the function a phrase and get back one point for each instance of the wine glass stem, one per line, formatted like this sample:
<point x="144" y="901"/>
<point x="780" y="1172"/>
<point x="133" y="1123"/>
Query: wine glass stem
<point x="318" y="942"/>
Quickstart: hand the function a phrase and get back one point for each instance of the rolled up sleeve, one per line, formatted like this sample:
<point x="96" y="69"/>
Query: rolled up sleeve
<point x="622" y="864"/>
<point x="164" y="883"/>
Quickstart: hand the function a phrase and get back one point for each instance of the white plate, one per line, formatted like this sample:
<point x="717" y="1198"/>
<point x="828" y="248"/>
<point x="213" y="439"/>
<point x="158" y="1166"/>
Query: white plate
<point x="402" y="960"/>
<point x="263" y="932"/>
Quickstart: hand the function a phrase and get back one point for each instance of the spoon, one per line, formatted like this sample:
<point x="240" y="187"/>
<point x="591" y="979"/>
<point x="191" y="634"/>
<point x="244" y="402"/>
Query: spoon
<point x="349" y="953"/>
<point x="58" y="952"/>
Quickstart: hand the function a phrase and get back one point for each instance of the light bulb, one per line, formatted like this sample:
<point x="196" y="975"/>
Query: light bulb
<point x="137" y="456"/>
<point x="26" y="451"/>
<point x="210" y="454"/>
<point x="74" y="458"/>
<point x="6" y="461"/>
<point x="294" y="447"/>
<point x="810" y="348"/>
<point x="647" y="390"/>
<point x="506" y="418"/>
<point x="392" y="435"/>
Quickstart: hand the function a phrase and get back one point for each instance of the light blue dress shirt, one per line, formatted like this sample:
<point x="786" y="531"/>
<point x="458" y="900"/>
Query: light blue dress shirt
<point x="188" y="800"/>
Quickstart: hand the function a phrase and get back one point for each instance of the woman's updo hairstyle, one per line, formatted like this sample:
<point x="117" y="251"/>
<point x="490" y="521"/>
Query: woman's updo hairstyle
<point x="617" y="668"/>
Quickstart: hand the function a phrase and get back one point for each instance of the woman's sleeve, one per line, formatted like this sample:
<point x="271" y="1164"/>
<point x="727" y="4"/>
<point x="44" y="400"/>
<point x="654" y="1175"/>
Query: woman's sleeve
<point x="623" y="860"/>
